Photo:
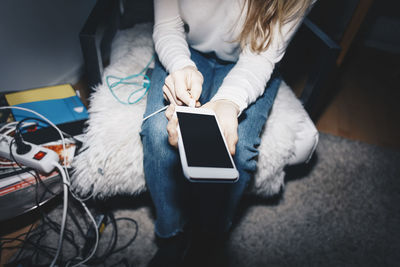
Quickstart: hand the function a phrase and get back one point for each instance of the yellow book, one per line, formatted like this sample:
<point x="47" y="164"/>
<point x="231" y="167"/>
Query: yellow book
<point x="40" y="94"/>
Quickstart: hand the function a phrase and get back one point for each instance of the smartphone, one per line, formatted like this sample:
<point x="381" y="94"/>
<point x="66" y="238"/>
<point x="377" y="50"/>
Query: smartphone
<point x="202" y="147"/>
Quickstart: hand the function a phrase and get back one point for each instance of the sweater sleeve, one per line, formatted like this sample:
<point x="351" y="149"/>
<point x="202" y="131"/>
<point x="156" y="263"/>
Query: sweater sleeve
<point x="169" y="36"/>
<point x="247" y="79"/>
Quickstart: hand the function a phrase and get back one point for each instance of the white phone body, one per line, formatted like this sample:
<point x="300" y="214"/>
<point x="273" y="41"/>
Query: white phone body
<point x="202" y="147"/>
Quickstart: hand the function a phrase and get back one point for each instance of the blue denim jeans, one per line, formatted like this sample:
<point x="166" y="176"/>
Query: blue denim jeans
<point x="177" y="201"/>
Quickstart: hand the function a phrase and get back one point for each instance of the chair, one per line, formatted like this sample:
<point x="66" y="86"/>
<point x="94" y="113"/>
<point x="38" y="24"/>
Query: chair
<point x="295" y="133"/>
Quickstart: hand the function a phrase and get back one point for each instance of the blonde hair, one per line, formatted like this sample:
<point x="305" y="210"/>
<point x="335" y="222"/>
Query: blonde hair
<point x="262" y="18"/>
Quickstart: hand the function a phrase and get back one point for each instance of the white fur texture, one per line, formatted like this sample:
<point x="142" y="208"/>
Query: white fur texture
<point x="111" y="161"/>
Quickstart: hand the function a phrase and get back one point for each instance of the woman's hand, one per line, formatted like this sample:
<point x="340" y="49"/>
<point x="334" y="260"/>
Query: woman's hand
<point x="183" y="86"/>
<point x="226" y="112"/>
<point x="172" y="126"/>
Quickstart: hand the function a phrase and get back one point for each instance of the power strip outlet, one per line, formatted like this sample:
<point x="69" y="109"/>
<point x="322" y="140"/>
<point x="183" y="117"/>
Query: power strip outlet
<point x="38" y="158"/>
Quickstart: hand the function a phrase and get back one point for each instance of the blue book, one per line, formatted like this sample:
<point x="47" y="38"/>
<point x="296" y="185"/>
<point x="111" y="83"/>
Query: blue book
<point x="59" y="104"/>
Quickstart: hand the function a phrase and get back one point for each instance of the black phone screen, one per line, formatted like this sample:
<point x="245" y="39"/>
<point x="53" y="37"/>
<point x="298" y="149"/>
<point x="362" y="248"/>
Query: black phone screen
<point x="202" y="141"/>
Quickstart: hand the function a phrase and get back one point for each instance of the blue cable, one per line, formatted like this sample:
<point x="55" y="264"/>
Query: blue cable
<point x="144" y="86"/>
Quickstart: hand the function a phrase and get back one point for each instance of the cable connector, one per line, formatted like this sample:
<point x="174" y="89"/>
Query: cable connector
<point x="22" y="147"/>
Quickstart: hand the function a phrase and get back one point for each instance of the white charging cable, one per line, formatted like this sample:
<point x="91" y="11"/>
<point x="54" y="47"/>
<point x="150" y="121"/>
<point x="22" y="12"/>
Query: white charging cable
<point x="66" y="182"/>
<point x="49" y="122"/>
<point x="192" y="104"/>
<point x="64" y="214"/>
<point x="156" y="112"/>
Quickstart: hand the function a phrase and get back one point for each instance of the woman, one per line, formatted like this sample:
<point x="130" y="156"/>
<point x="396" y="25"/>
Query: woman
<point x="218" y="55"/>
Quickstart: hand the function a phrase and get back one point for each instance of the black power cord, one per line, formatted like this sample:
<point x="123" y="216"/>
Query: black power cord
<point x="33" y="250"/>
<point x="19" y="127"/>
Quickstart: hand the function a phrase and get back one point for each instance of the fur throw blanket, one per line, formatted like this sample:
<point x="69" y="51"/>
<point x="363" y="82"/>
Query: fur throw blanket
<point x="111" y="160"/>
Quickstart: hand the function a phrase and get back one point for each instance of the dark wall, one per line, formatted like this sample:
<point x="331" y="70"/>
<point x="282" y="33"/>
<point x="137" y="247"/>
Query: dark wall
<point x="380" y="29"/>
<point x="382" y="26"/>
<point x="332" y="16"/>
<point x="39" y="42"/>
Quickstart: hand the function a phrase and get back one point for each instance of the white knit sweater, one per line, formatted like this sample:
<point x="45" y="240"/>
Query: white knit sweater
<point x="214" y="27"/>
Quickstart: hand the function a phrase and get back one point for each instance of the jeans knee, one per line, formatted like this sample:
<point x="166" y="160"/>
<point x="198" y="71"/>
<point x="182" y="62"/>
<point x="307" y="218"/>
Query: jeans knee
<point x="246" y="157"/>
<point x="154" y="132"/>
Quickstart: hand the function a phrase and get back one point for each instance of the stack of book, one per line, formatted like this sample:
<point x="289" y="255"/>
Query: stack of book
<point x="60" y="104"/>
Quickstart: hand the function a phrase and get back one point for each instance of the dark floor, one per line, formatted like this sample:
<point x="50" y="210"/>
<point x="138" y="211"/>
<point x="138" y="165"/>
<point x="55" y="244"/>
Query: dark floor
<point x="366" y="107"/>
